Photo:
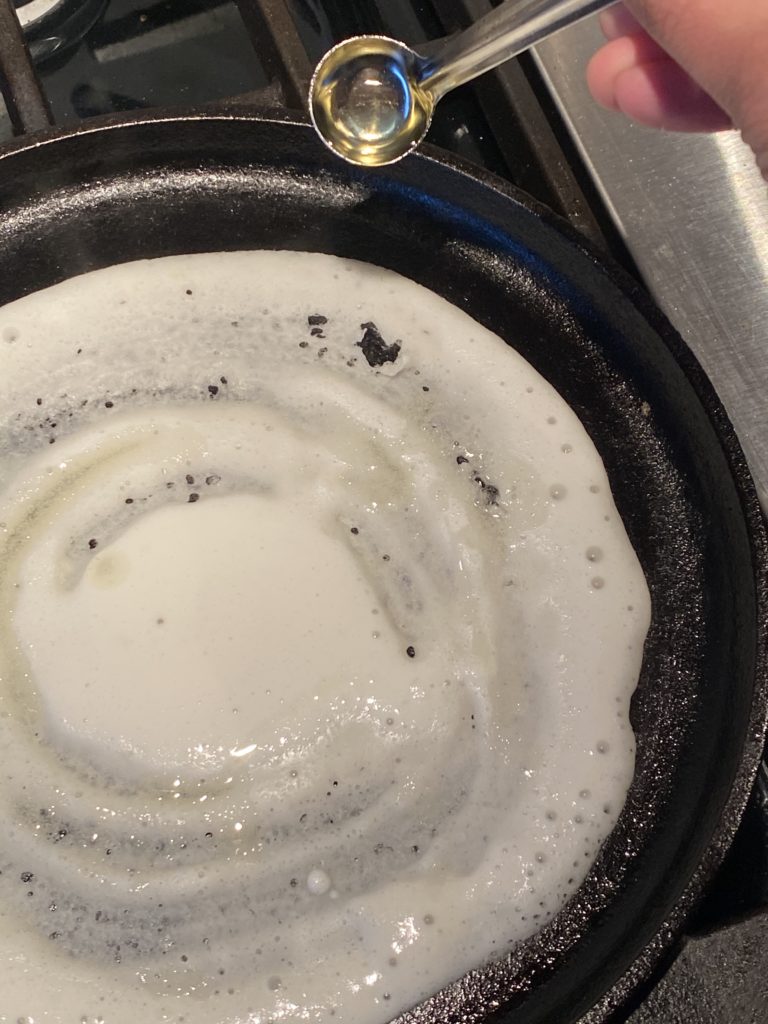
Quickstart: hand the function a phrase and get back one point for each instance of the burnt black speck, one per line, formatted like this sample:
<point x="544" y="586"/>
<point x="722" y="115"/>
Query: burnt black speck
<point x="316" y="319"/>
<point x="213" y="390"/>
<point x="375" y="349"/>
<point x="108" y="405"/>
<point x="27" y="876"/>
<point x="194" y="496"/>
<point x="411" y="652"/>
<point x="490" y="491"/>
<point x="92" y="543"/>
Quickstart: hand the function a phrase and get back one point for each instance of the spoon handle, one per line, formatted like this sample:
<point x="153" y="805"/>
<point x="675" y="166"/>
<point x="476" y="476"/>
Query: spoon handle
<point x="497" y="37"/>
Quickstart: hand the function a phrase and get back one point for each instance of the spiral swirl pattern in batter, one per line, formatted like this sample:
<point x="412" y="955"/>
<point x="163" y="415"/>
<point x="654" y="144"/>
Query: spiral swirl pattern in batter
<point x="292" y="646"/>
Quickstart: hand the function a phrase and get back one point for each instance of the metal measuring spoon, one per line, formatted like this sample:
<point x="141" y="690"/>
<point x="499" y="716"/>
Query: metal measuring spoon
<point x="372" y="98"/>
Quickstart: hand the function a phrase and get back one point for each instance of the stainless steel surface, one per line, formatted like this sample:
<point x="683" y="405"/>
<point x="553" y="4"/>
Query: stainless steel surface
<point x="694" y="213"/>
<point x="32" y="11"/>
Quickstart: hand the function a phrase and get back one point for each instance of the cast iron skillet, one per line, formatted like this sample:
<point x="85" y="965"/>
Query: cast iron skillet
<point x="112" y="191"/>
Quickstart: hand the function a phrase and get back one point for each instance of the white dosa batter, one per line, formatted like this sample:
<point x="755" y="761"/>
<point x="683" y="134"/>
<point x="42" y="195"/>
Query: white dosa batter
<point x="314" y="674"/>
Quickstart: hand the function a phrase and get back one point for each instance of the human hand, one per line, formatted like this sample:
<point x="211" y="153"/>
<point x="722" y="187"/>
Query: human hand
<point x="687" y="65"/>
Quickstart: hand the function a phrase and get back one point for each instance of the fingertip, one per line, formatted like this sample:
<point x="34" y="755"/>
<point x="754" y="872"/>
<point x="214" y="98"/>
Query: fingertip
<point x="661" y="95"/>
<point x="600" y="79"/>
<point x="617" y="21"/>
<point x="633" y="75"/>
<point x="611" y="60"/>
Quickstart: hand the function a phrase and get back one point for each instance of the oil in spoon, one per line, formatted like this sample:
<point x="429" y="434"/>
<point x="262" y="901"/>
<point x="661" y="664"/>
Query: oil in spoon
<point x="365" y="104"/>
<point x="372" y="98"/>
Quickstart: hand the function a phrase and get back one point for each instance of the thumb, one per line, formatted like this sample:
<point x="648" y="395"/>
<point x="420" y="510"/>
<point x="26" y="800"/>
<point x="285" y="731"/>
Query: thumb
<point x="723" y="45"/>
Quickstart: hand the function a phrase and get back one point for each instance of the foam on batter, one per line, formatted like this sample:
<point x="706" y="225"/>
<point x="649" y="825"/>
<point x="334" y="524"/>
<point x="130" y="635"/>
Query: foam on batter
<point x="318" y="631"/>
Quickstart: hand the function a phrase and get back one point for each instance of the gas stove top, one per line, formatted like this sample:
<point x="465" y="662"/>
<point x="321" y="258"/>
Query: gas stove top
<point x="688" y="217"/>
<point x="196" y="52"/>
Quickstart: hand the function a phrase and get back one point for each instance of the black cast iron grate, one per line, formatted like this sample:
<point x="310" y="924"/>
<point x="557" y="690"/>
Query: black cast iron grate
<point x="25" y="100"/>
<point x="502" y="122"/>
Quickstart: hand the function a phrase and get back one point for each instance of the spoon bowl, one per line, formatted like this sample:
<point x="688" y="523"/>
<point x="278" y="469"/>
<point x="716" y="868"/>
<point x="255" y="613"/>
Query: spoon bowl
<point x="366" y="103"/>
<point x="371" y="98"/>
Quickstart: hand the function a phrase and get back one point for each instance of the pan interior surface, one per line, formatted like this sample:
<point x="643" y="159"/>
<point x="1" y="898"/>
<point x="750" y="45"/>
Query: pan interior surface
<point x="384" y="625"/>
<point x="677" y="476"/>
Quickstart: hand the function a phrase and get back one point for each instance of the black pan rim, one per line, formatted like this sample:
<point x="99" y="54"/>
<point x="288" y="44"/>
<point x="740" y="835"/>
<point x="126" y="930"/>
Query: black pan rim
<point x="753" y="746"/>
